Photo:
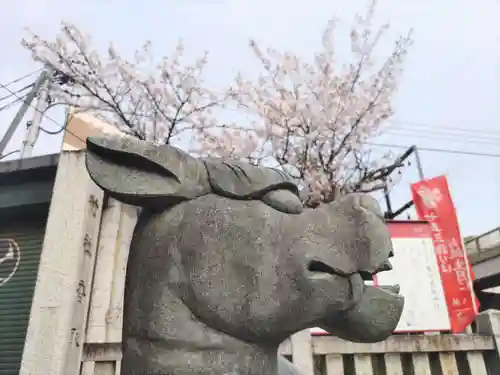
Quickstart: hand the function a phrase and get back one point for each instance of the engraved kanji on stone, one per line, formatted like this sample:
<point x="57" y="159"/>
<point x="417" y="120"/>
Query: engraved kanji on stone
<point x="94" y="205"/>
<point x="87" y="244"/>
<point x="75" y="337"/>
<point x="80" y="291"/>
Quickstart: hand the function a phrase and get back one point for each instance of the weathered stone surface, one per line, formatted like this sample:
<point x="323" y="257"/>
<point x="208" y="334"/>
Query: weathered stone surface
<point x="238" y="180"/>
<point x="141" y="174"/>
<point x="248" y="181"/>
<point x="285" y="367"/>
<point x="215" y="283"/>
<point x="158" y="176"/>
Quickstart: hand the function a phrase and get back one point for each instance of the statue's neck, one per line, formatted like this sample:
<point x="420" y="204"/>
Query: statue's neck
<point x="171" y="341"/>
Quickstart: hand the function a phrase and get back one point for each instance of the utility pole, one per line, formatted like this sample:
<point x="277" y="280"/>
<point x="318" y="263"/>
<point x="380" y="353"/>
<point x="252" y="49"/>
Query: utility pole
<point x="419" y="163"/>
<point x="390" y="214"/>
<point x="33" y="127"/>
<point x="22" y="111"/>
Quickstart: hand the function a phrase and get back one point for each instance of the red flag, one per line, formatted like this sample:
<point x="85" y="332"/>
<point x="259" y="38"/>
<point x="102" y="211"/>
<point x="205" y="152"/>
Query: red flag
<point x="433" y="203"/>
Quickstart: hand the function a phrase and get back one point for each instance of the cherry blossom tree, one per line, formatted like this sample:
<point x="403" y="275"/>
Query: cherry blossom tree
<point x="155" y="100"/>
<point x="314" y="118"/>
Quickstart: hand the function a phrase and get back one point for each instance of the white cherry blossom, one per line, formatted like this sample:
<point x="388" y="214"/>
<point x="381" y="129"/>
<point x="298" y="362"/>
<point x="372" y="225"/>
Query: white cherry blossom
<point x="314" y="119"/>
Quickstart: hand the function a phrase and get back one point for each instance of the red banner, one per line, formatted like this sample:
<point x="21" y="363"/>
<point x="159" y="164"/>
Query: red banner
<point x="433" y="203"/>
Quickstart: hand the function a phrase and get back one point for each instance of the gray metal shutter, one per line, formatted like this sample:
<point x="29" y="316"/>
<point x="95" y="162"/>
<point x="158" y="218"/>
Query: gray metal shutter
<point x="20" y="249"/>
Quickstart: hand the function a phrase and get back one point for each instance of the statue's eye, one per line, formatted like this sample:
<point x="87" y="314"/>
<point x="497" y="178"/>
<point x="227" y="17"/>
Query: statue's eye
<point x="318" y="266"/>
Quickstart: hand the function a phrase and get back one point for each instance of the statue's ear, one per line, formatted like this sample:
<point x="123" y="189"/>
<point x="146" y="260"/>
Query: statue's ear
<point x="143" y="174"/>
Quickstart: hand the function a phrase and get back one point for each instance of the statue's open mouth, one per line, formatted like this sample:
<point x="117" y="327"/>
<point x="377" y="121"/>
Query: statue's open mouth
<point x="372" y="312"/>
<point x="321" y="269"/>
<point x="318" y="266"/>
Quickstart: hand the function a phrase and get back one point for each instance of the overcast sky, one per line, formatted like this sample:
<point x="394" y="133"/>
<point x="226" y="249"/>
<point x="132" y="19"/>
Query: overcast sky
<point x="449" y="97"/>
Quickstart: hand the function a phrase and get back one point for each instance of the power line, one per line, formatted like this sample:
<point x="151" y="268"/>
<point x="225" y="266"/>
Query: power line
<point x="439" y="132"/>
<point x="8" y="105"/>
<point x="9" y="153"/>
<point x="450" y="128"/>
<point x="21" y="78"/>
<point x="446" y="137"/>
<point x="53" y="132"/>
<point x="447" y="130"/>
<point x="388" y="145"/>
<point x="22" y="111"/>
<point x="62" y="127"/>
<point x="433" y="149"/>
<point x="17" y="92"/>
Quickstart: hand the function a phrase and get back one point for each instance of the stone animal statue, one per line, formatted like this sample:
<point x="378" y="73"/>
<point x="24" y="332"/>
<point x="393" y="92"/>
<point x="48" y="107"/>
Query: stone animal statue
<point x="225" y="263"/>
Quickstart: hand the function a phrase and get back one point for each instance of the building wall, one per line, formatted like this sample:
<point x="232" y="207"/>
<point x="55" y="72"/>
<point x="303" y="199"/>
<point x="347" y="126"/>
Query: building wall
<point x="25" y="193"/>
<point x="487" y="268"/>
